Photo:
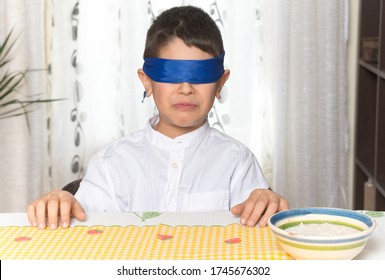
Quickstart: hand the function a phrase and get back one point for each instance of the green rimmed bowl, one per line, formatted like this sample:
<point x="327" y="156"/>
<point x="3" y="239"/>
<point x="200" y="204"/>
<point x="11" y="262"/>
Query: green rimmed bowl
<point x="319" y="233"/>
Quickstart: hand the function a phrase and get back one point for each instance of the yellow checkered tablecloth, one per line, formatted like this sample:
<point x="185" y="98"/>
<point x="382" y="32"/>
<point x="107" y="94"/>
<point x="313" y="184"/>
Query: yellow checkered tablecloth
<point x="231" y="242"/>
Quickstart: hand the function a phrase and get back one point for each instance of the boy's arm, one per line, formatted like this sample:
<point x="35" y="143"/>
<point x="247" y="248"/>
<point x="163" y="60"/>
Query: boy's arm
<point x="259" y="206"/>
<point x="46" y="209"/>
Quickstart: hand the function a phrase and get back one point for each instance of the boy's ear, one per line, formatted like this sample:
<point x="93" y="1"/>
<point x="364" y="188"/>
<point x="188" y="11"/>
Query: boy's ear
<point x="146" y="81"/>
<point x="221" y="82"/>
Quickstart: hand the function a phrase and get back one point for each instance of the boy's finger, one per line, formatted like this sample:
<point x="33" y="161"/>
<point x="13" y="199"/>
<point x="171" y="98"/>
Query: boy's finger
<point x="65" y="212"/>
<point x="237" y="209"/>
<point x="283" y="205"/>
<point x="247" y="212"/>
<point x="53" y="212"/>
<point x="40" y="210"/>
<point x="32" y="214"/>
<point x="271" y="209"/>
<point x="255" y="216"/>
<point x="78" y="211"/>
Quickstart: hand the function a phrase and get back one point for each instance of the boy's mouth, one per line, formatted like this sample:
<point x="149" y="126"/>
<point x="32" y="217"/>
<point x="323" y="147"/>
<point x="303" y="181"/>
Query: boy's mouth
<point x="185" y="106"/>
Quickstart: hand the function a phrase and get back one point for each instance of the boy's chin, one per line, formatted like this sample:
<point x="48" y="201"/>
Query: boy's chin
<point x="189" y="124"/>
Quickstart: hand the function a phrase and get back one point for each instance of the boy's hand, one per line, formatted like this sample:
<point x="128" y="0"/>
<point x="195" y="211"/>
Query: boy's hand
<point x="55" y="203"/>
<point x="260" y="205"/>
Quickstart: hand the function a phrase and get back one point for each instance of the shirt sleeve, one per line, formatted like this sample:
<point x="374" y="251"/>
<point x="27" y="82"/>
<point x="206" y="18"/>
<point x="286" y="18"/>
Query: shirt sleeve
<point x="96" y="193"/>
<point x="247" y="177"/>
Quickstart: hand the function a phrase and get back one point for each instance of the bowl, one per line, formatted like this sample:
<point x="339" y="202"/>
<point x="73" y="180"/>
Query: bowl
<point x="319" y="233"/>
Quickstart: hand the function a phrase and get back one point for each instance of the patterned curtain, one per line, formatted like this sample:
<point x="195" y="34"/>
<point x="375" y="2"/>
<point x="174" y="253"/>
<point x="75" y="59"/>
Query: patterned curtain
<point x="93" y="48"/>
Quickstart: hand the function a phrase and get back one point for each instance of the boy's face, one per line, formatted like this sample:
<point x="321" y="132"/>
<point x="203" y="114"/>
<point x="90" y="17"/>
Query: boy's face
<point x="182" y="107"/>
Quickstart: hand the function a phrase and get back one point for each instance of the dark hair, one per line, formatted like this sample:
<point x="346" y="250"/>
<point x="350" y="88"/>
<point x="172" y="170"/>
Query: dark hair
<point x="191" y="24"/>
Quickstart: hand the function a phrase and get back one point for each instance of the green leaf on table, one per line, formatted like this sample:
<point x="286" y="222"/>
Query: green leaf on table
<point x="374" y="214"/>
<point x="150" y="215"/>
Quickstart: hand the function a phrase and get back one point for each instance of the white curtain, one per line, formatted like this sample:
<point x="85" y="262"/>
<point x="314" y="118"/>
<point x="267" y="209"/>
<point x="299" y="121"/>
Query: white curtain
<point x="286" y="97"/>
<point x="24" y="156"/>
<point x="306" y="72"/>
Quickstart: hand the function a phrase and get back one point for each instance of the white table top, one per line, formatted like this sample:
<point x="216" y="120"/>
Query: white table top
<point x="374" y="250"/>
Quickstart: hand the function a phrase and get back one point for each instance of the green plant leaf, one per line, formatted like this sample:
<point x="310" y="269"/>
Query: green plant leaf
<point x="5" y="48"/>
<point x="11" y="82"/>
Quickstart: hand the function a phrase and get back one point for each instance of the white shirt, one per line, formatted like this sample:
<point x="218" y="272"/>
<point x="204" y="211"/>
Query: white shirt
<point x="204" y="170"/>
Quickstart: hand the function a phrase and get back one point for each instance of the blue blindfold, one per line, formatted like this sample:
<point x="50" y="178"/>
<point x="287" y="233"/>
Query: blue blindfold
<point x="178" y="71"/>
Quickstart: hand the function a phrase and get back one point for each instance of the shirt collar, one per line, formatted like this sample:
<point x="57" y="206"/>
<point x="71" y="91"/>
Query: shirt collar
<point x="181" y="142"/>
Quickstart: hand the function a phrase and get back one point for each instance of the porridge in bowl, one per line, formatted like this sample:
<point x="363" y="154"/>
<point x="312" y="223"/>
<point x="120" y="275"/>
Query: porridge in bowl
<point x="322" y="229"/>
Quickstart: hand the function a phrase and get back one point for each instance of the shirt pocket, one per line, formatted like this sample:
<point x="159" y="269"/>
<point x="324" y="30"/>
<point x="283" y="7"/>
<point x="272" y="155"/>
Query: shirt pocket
<point x="206" y="201"/>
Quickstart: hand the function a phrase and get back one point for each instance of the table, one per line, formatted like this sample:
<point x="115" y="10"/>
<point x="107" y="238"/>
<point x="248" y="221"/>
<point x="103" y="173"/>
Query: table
<point x="154" y="235"/>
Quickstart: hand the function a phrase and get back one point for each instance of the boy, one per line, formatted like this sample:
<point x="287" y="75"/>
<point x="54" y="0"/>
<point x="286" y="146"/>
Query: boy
<point x="177" y="162"/>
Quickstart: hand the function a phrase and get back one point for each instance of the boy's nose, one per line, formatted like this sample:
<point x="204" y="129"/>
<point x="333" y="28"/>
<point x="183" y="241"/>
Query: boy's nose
<point x="186" y="88"/>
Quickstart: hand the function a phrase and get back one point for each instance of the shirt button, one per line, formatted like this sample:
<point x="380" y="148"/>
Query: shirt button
<point x="174" y="165"/>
